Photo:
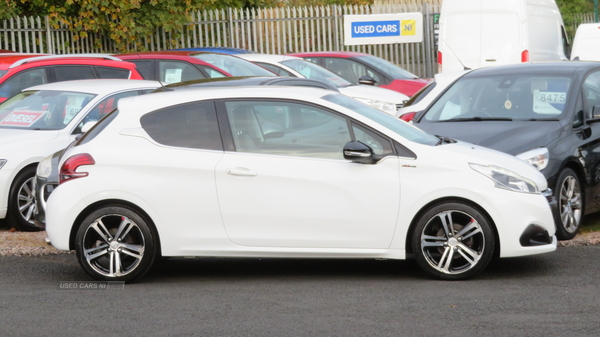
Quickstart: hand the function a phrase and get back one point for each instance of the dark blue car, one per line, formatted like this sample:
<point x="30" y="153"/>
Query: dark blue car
<point x="544" y="113"/>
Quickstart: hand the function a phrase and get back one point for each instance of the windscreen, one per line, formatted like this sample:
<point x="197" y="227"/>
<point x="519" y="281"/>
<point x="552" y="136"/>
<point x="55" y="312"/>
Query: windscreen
<point x="234" y="65"/>
<point x="42" y="110"/>
<point x="386" y="67"/>
<point x="503" y="97"/>
<point x="316" y="72"/>
<point x="398" y="126"/>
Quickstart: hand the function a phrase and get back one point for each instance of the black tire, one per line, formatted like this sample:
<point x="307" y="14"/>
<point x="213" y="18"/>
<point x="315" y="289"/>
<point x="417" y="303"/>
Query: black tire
<point x="469" y="242"/>
<point x="21" y="202"/>
<point x="98" y="243"/>
<point x="569" y="198"/>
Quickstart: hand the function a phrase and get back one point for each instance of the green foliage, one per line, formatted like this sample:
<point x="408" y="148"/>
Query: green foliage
<point x="575" y="6"/>
<point x="123" y="21"/>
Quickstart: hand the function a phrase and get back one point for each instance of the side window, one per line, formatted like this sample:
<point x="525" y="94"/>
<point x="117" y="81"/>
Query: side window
<point x="103" y="108"/>
<point x="287" y="129"/>
<point x="380" y="145"/>
<point x="191" y="125"/>
<point x="109" y="72"/>
<point x="144" y="68"/>
<point x="275" y="69"/>
<point x="23" y="80"/>
<point x="212" y="72"/>
<point x="175" y="71"/>
<point x="345" y="68"/>
<point x="70" y="73"/>
<point x="591" y="93"/>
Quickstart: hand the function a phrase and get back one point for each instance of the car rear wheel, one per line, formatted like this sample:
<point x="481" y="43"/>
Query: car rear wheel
<point x="115" y="243"/>
<point x="21" y="201"/>
<point x="570" y="204"/>
<point x="453" y="241"/>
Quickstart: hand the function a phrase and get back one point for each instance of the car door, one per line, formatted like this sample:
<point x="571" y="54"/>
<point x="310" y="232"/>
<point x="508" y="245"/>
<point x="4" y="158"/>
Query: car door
<point x="589" y="137"/>
<point x="283" y="181"/>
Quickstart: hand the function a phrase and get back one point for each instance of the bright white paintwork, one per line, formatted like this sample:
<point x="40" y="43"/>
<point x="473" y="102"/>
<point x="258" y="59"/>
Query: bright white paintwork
<point x="292" y="207"/>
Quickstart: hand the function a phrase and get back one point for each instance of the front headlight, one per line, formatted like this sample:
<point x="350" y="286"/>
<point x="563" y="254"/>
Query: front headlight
<point x="506" y="179"/>
<point x="45" y="167"/>
<point x="537" y="157"/>
<point x="2" y="162"/>
<point x="387" y="107"/>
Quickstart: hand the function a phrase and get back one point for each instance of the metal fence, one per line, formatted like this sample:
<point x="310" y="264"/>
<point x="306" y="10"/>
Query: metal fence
<point x="270" y="30"/>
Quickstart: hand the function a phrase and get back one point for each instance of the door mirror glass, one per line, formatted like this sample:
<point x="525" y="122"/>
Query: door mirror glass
<point x="358" y="152"/>
<point x="272" y="130"/>
<point x="87" y="126"/>
<point x="367" y="80"/>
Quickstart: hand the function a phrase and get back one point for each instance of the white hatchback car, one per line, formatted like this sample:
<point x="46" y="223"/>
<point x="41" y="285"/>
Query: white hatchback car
<point x="42" y="120"/>
<point x="287" y="173"/>
<point x="380" y="98"/>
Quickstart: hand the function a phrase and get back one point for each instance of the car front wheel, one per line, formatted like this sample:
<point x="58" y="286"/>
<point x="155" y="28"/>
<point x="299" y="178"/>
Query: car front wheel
<point x="115" y="243"/>
<point x="570" y="204"/>
<point x="21" y="207"/>
<point x="453" y="241"/>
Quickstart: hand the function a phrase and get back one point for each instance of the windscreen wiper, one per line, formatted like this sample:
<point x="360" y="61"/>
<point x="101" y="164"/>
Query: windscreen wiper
<point x="477" y="119"/>
<point x="444" y="139"/>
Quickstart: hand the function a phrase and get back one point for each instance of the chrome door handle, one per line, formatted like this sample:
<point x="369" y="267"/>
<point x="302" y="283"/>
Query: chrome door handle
<point x="241" y="171"/>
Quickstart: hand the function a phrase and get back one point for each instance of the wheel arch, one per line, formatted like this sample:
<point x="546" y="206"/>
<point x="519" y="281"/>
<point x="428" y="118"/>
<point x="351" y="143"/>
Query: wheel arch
<point x="26" y="167"/>
<point x="112" y="202"/>
<point x="433" y="203"/>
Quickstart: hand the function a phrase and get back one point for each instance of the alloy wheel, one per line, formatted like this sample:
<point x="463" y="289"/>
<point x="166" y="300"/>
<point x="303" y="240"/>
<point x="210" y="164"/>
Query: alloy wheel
<point x="452" y="242"/>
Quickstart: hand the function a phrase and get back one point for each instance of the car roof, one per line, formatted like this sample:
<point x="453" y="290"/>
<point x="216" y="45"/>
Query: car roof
<point x="97" y="86"/>
<point x="222" y="50"/>
<point x="161" y="53"/>
<point x="344" y="54"/>
<point x="268" y="57"/>
<point x="6" y="60"/>
<point x="247" y="81"/>
<point x="160" y="100"/>
<point x="549" y="68"/>
<point x="12" y="60"/>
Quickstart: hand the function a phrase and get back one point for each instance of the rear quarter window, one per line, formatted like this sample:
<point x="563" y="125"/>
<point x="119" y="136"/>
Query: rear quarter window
<point x="191" y="125"/>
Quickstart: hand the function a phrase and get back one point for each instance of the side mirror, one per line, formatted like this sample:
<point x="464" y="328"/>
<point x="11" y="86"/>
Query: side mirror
<point x="366" y="80"/>
<point x="272" y="130"/>
<point x="358" y="152"/>
<point x="87" y="126"/>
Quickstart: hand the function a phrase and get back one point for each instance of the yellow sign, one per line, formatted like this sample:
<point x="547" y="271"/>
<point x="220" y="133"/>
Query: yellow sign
<point x="408" y="27"/>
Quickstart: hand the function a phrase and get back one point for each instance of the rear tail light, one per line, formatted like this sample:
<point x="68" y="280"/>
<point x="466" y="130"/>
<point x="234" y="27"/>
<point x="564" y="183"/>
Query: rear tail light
<point x="439" y="57"/>
<point x="407" y="117"/>
<point x="68" y="170"/>
<point x="525" y="56"/>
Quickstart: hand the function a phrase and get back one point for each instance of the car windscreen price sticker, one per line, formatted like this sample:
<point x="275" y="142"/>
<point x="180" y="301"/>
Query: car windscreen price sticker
<point x="70" y="112"/>
<point x="548" y="102"/>
<point x="22" y="118"/>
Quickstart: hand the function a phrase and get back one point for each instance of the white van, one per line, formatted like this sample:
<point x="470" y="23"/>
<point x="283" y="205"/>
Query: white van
<point x="482" y="33"/>
<point x="586" y="44"/>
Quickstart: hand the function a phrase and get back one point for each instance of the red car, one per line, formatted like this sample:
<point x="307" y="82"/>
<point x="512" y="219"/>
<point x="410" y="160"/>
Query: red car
<point x="367" y="69"/>
<point x="20" y="71"/>
<point x="178" y="66"/>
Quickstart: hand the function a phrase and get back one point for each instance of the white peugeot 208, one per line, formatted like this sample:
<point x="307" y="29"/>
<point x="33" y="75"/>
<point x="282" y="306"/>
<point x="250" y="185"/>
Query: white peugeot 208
<point x="249" y="172"/>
